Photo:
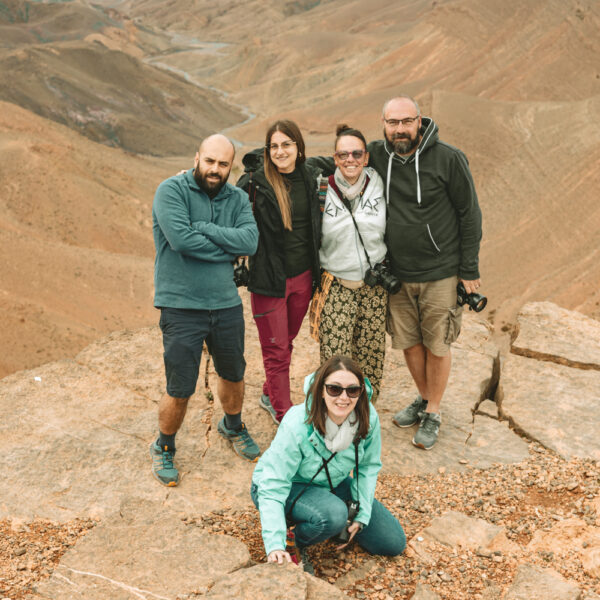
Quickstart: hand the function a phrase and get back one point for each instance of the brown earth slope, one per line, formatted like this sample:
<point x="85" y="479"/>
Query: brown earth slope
<point x="75" y="239"/>
<point x="516" y="86"/>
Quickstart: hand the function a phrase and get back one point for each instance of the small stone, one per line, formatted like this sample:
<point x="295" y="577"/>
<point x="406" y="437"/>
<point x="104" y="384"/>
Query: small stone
<point x="442" y="470"/>
<point x="572" y="485"/>
<point x="463" y="461"/>
<point x="19" y="551"/>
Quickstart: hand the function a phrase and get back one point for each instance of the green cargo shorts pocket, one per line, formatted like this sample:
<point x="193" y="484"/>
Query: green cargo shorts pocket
<point x="454" y="322"/>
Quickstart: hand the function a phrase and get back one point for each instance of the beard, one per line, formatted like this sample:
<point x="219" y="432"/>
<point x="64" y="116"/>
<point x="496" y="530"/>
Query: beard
<point x="403" y="143"/>
<point x="211" y="187"/>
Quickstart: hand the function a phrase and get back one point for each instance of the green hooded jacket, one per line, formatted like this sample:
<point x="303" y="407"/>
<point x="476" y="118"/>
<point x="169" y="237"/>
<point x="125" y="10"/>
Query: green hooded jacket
<point x="434" y="220"/>
<point x="297" y="453"/>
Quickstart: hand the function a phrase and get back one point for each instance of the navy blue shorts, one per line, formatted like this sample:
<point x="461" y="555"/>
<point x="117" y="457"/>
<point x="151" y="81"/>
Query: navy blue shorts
<point x="184" y="333"/>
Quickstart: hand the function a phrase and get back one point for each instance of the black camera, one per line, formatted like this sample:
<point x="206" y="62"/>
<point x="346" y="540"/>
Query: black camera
<point x="380" y="275"/>
<point x="475" y="301"/>
<point x="344" y="535"/>
<point x="241" y="274"/>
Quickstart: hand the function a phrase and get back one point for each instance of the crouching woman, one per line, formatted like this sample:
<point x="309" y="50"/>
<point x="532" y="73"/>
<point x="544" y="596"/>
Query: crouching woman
<point x="303" y="481"/>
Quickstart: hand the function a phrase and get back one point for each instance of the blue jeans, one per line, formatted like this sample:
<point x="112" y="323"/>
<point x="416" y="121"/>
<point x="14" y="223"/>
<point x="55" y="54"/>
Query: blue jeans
<point x="319" y="515"/>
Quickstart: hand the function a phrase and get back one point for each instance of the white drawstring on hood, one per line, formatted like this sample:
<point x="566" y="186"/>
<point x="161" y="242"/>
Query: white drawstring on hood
<point x="428" y="132"/>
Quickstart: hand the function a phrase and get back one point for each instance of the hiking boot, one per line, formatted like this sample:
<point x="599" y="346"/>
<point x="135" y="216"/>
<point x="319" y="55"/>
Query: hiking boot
<point x="242" y="442"/>
<point x="305" y="563"/>
<point x="427" y="434"/>
<point x="163" y="468"/>
<point x="265" y="402"/>
<point x="411" y="414"/>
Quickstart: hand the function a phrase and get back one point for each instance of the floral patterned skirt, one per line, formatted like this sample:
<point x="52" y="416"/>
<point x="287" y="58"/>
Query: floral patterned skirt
<point x="353" y="324"/>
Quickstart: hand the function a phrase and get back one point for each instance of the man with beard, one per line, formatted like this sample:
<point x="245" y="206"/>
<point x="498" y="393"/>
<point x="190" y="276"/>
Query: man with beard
<point x="433" y="234"/>
<point x="201" y="224"/>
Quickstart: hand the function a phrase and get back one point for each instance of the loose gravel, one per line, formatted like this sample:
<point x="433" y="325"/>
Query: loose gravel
<point x="523" y="498"/>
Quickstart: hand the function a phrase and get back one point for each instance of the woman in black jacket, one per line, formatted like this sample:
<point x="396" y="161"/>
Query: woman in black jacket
<point x="285" y="269"/>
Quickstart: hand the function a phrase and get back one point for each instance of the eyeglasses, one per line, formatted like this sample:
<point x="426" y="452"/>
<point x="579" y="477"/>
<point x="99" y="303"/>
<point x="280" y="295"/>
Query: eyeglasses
<point x="356" y="154"/>
<point x="284" y="146"/>
<point x="352" y="391"/>
<point x="405" y="122"/>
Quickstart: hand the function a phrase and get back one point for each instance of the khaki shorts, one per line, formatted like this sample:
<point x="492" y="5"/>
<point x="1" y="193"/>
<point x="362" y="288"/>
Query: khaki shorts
<point x="425" y="313"/>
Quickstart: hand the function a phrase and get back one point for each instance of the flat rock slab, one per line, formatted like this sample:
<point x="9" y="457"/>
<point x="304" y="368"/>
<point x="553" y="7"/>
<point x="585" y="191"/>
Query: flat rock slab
<point x="144" y="552"/>
<point x="533" y="583"/>
<point x="556" y="405"/>
<point x="424" y="592"/>
<point x="549" y="332"/>
<point x="77" y="434"/>
<point x="457" y="530"/>
<point x="273" y="582"/>
<point x="464" y="439"/>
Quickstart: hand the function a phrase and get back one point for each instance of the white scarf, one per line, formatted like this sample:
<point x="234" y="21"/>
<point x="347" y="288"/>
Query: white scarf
<point x="339" y="437"/>
<point x="350" y="190"/>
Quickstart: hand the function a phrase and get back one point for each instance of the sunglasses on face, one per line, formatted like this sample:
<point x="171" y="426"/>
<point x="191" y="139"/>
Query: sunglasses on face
<point x="356" y="154"/>
<point x="352" y="391"/>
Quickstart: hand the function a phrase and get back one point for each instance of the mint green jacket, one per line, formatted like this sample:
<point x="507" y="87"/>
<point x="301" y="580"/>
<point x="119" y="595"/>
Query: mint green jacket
<point x="296" y="454"/>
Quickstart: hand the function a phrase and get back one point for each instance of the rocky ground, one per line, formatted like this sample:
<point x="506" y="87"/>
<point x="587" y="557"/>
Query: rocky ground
<point x="526" y="499"/>
<point x="491" y="512"/>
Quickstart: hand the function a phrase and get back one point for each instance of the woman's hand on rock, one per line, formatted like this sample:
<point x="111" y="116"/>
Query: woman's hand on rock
<point x="279" y="557"/>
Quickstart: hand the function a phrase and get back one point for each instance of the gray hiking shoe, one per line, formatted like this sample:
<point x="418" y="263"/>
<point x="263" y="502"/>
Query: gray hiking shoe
<point x="265" y="402"/>
<point x="163" y="468"/>
<point x="427" y="434"/>
<point x="412" y="414"/>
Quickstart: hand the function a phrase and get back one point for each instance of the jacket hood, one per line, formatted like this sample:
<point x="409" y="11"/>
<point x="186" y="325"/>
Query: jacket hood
<point x="429" y="137"/>
<point x="253" y="160"/>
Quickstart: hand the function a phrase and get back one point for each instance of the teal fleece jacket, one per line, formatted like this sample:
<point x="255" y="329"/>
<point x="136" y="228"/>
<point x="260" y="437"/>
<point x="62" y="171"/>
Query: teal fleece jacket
<point x="434" y="220"/>
<point x="196" y="240"/>
<point x="296" y="454"/>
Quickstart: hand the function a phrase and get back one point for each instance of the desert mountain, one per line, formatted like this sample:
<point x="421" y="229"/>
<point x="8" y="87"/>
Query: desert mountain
<point x="515" y="85"/>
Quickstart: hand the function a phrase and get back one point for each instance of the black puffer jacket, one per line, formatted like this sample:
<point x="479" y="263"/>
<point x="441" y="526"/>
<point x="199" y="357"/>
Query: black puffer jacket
<point x="267" y="266"/>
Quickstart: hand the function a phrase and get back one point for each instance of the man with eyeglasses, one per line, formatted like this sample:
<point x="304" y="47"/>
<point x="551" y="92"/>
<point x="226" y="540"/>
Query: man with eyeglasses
<point x="433" y="234"/>
<point x="201" y="224"/>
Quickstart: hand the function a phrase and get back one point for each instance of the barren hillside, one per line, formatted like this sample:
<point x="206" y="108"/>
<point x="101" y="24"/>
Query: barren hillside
<point x="515" y="85"/>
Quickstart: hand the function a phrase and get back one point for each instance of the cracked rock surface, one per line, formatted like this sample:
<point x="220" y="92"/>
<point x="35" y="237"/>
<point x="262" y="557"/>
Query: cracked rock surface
<point x="77" y="433"/>
<point x="549" y="386"/>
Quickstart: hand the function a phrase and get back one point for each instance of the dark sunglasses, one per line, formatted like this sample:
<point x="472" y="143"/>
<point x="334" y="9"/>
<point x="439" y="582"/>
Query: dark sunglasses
<point x="356" y="154"/>
<point x="352" y="391"/>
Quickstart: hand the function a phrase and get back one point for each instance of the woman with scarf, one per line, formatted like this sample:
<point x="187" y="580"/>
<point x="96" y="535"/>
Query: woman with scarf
<point x="302" y="480"/>
<point x="352" y="319"/>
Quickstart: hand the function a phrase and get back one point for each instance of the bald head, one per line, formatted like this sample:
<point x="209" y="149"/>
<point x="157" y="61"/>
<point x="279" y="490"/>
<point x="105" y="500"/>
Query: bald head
<point x="401" y="103"/>
<point x="213" y="163"/>
<point x="218" y="143"/>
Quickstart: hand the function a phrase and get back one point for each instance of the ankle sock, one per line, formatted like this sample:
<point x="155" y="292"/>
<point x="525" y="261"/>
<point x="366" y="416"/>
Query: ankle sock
<point x="166" y="440"/>
<point x="233" y="422"/>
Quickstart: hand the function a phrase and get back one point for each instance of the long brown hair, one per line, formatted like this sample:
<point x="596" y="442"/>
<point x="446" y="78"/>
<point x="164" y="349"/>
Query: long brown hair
<point x="274" y="177"/>
<point x="317" y="413"/>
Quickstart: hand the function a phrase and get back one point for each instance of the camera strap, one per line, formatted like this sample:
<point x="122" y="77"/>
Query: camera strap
<point x="346" y="203"/>
<point x="323" y="465"/>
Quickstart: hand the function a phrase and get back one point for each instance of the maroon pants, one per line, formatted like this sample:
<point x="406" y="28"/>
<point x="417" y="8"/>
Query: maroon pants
<point x="278" y="321"/>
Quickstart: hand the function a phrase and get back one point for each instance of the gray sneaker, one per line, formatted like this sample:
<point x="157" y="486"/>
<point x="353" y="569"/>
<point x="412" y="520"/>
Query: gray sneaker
<point x="412" y="414"/>
<point x="427" y="434"/>
<point x="265" y="402"/>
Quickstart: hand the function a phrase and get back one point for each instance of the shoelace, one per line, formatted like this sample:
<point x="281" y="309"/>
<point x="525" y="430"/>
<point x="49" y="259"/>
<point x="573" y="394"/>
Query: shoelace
<point x="167" y="459"/>
<point x="429" y="424"/>
<point x="242" y="438"/>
